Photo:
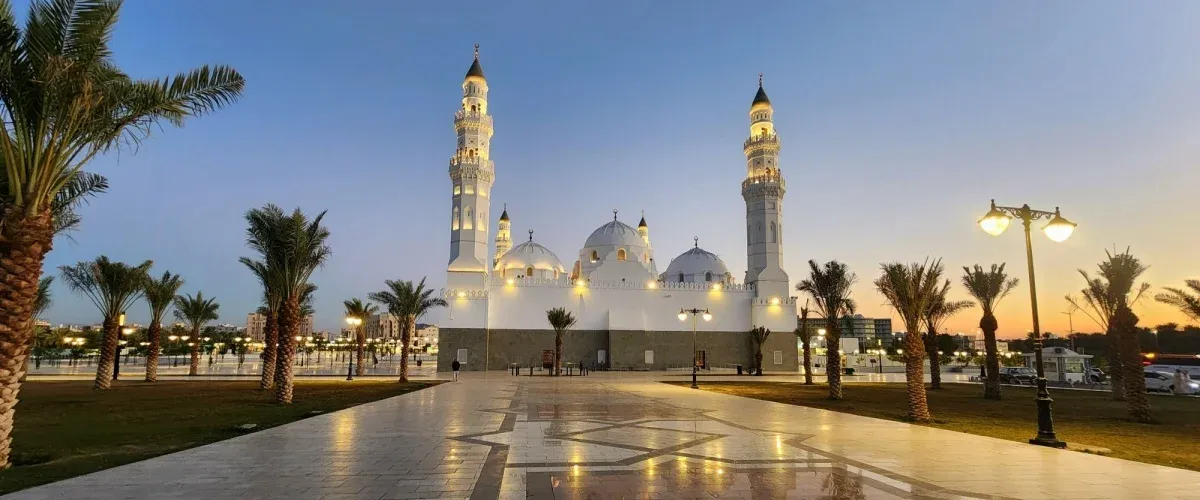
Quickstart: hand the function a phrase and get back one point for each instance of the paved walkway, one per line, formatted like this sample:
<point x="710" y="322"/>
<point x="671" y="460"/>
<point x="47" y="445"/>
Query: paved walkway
<point x="613" y="436"/>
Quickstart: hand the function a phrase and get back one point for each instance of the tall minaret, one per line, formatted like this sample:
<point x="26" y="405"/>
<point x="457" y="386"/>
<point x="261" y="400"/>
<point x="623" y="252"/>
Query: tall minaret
<point x="763" y="191"/>
<point x="472" y="174"/>
<point x="503" y="236"/>
<point x="644" y="230"/>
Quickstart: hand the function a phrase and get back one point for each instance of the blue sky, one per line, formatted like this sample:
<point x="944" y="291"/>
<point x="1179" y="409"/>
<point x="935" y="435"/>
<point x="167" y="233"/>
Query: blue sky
<point x="898" y="120"/>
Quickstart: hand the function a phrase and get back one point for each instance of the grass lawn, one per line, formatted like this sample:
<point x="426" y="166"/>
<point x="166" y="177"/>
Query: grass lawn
<point x="65" y="429"/>
<point x="1079" y="416"/>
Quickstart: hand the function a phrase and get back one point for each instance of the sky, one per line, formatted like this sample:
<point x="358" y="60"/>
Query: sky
<point x="899" y="121"/>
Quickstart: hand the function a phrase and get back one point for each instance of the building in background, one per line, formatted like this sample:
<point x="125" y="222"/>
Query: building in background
<point x="306" y="326"/>
<point x="869" y="333"/>
<point x="256" y="325"/>
<point x="382" y="326"/>
<point x="426" y="338"/>
<point x="226" y="328"/>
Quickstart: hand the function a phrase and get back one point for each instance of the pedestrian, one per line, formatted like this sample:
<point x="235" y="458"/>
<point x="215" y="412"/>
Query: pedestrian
<point x="1179" y="383"/>
<point x="454" y="368"/>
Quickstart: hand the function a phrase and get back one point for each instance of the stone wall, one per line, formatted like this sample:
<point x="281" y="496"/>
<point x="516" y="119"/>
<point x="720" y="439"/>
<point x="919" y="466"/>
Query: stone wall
<point x="624" y="349"/>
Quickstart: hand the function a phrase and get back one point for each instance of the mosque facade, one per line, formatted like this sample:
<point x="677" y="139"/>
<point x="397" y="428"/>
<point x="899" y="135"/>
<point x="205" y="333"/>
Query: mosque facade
<point x="628" y="311"/>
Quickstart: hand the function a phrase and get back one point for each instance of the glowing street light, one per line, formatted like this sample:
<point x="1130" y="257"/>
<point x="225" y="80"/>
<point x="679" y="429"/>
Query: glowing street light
<point x="683" y="314"/>
<point x="354" y="322"/>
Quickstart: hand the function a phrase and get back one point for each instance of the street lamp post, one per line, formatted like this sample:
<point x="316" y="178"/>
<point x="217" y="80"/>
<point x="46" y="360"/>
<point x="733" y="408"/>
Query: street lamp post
<point x="120" y="343"/>
<point x="354" y="323"/>
<point x="683" y="314"/>
<point x="1057" y="229"/>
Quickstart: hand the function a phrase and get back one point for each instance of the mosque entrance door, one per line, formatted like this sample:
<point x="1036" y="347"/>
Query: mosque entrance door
<point x="701" y="359"/>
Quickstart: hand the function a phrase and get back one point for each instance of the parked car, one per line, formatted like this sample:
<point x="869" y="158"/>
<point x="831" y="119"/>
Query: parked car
<point x="1096" y="375"/>
<point x="1165" y="382"/>
<point x="1017" y="375"/>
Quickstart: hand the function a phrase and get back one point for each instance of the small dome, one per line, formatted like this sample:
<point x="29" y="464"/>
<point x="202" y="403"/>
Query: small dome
<point x="695" y="264"/>
<point x="530" y="254"/>
<point x="615" y="233"/>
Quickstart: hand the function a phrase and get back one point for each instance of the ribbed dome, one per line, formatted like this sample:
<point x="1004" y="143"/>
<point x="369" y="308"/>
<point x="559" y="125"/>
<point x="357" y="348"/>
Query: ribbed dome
<point x="694" y="263"/>
<point x="530" y="254"/>
<point x="615" y="233"/>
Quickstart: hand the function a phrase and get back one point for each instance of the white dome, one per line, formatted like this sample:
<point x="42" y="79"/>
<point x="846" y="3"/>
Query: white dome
<point x="615" y="233"/>
<point x="530" y="254"/>
<point x="694" y="264"/>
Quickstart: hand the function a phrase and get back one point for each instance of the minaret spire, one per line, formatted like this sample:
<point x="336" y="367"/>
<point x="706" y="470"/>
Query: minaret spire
<point x="763" y="191"/>
<point x="472" y="175"/>
<point x="530" y="235"/>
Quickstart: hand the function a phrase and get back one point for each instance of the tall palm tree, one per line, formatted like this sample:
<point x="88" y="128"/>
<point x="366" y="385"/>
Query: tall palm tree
<point x="940" y="309"/>
<point x="195" y="312"/>
<point x="829" y="286"/>
<point x="307" y="296"/>
<point x="1114" y="291"/>
<point x="112" y="287"/>
<point x="759" y="336"/>
<point x="910" y="289"/>
<point x="408" y="302"/>
<point x="988" y="288"/>
<point x="561" y="321"/>
<point x="1182" y="299"/>
<point x="64" y="101"/>
<point x="356" y="308"/>
<point x="267" y="277"/>
<point x="159" y="295"/>
<point x="806" y="343"/>
<point x="1100" y="307"/>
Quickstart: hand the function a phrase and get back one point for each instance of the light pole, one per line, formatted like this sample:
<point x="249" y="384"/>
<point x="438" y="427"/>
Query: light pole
<point x="354" y="323"/>
<point x="683" y="314"/>
<point x="1057" y="229"/>
<point x="120" y="343"/>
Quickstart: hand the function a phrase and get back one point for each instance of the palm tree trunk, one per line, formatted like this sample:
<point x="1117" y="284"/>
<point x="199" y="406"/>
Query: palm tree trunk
<point x="833" y="359"/>
<point x="1116" y="378"/>
<point x="758" y="361"/>
<point x="154" y="336"/>
<point x="914" y="363"/>
<point x="410" y="325"/>
<point x="24" y="242"/>
<point x="289" y="326"/>
<point x="991" y="384"/>
<point x="1125" y="322"/>
<point x="194" y="369"/>
<point x="808" y="376"/>
<point x="361" y="339"/>
<point x="558" y="348"/>
<point x="935" y="365"/>
<point x="270" y="338"/>
<point x="108" y="354"/>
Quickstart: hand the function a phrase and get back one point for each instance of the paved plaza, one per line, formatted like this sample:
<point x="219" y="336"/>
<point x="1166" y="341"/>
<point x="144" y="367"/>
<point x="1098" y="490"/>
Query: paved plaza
<point x="613" y="436"/>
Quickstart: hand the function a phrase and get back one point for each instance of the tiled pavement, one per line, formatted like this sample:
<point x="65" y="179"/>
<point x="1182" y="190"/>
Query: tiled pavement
<point x="613" y="436"/>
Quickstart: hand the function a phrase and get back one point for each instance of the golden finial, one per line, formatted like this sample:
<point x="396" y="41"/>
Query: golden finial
<point x="759" y="75"/>
<point x="614" y="214"/>
<point x="477" y="57"/>
<point x="696" y="240"/>
<point x="530" y="235"/>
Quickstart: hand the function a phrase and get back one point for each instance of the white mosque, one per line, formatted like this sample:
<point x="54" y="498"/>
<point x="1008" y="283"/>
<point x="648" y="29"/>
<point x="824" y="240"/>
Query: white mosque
<point x="628" y="312"/>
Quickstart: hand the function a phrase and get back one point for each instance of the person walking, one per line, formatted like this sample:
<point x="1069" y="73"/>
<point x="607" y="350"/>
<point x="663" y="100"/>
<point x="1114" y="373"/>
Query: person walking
<point x="454" y="368"/>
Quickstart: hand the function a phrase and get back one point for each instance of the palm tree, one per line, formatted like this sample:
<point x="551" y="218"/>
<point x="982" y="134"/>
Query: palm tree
<point x="560" y="320"/>
<point x="307" y="296"/>
<point x="1112" y="294"/>
<point x="64" y="101"/>
<point x="1182" y="299"/>
<point x="806" y="343"/>
<point x="829" y="286"/>
<point x="910" y="289"/>
<point x="270" y="311"/>
<point x="112" y="287"/>
<point x="1099" y="306"/>
<point x="40" y="304"/>
<point x="408" y="302"/>
<point x="988" y="288"/>
<point x="159" y="294"/>
<point x="936" y="315"/>
<point x="759" y="336"/>
<point x="356" y="308"/>
<point x="195" y="312"/>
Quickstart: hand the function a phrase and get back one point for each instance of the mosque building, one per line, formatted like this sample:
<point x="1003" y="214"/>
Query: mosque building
<point x="628" y="311"/>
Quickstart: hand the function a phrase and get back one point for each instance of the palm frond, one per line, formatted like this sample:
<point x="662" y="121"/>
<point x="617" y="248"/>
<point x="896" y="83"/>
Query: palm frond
<point x="1184" y="300"/>
<point x="988" y="287"/>
<point x="196" y="311"/>
<point x="160" y="293"/>
<point x="560" y="319"/>
<point x="43" y="300"/>
<point x="111" y="286"/>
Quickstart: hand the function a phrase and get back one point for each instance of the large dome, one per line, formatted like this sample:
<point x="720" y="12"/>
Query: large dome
<point x="696" y="265"/>
<point x="615" y="233"/>
<point x="530" y="255"/>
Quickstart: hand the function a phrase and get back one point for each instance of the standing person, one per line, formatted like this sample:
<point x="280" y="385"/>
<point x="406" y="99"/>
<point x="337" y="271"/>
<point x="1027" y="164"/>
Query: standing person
<point x="454" y="368"/>
<point x="1179" y="382"/>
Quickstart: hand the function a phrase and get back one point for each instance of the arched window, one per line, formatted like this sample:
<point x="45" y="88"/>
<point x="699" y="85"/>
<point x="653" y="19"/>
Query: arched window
<point x="774" y="235"/>
<point x="681" y="277"/>
<point x="473" y="110"/>
<point x="467" y="221"/>
<point x="759" y="232"/>
<point x="708" y="276"/>
<point x="454" y="220"/>
<point x="595" y="256"/>
<point x="646" y="258"/>
<point x="556" y="274"/>
<point x="529" y="272"/>
<point x="621" y="255"/>
<point x="764" y="129"/>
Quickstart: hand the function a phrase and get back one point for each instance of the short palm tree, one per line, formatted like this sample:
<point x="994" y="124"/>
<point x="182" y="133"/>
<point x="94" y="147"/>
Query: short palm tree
<point x="159" y="295"/>
<point x="64" y="101"/>
<point x="988" y="288"/>
<point x="1114" y="291"/>
<point x="270" y="311"/>
<point x="910" y="289"/>
<point x="560" y="320"/>
<point x="195" y="312"/>
<point x="1182" y="299"/>
<point x="940" y="309"/>
<point x="356" y="308"/>
<point x="408" y="302"/>
<point x="112" y="287"/>
<point x="759" y="336"/>
<point x="829" y="286"/>
<point x="805" y="335"/>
